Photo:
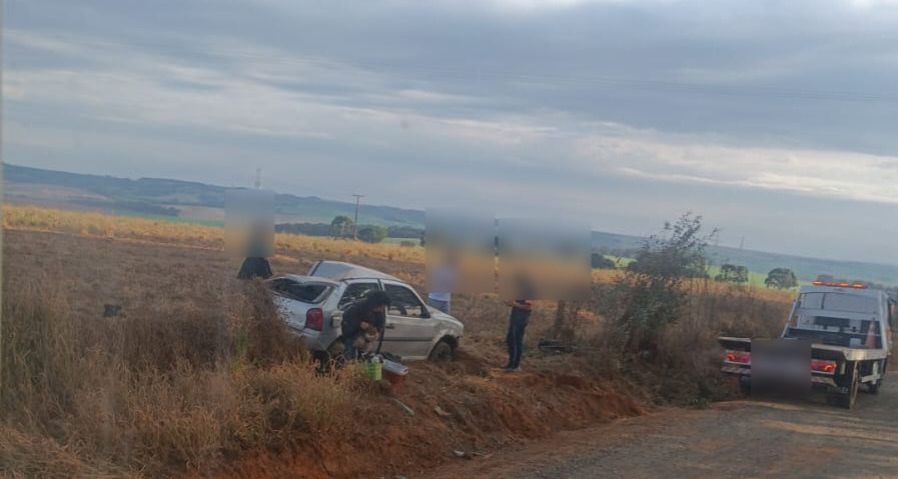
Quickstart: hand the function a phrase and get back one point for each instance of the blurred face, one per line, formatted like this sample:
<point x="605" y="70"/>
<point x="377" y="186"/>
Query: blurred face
<point x="381" y="308"/>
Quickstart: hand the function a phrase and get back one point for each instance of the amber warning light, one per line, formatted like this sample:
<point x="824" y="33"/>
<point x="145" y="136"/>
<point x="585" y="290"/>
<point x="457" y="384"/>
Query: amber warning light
<point x="840" y="285"/>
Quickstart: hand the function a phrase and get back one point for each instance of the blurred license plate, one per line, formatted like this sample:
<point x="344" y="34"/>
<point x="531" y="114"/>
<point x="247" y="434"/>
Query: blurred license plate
<point x="781" y="367"/>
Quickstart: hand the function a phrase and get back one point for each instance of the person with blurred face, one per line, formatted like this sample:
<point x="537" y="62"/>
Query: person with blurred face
<point x="256" y="264"/>
<point x="363" y="323"/>
<point x="442" y="280"/>
<point x="517" y="323"/>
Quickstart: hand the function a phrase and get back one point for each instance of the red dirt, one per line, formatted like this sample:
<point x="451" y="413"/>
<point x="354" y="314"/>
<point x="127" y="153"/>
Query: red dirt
<point x="458" y="406"/>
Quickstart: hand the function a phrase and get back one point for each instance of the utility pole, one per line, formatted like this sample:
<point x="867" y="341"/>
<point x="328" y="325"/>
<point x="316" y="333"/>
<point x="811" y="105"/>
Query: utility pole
<point x="355" y="222"/>
<point x="742" y="243"/>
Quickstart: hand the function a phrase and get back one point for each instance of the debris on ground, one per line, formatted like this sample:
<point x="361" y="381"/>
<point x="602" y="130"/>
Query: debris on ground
<point x="441" y="412"/>
<point x="408" y="411"/>
<point x="555" y="346"/>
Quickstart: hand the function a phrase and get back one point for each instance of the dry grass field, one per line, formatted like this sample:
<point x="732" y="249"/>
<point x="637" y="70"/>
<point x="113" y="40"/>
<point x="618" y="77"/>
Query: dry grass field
<point x="197" y="376"/>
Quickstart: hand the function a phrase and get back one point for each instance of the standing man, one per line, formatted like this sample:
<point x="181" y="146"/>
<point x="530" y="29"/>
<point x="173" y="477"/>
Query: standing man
<point x="517" y="322"/>
<point x="364" y="319"/>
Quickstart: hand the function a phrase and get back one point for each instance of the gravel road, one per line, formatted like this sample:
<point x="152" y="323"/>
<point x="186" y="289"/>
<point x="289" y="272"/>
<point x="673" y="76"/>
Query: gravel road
<point x="744" y="439"/>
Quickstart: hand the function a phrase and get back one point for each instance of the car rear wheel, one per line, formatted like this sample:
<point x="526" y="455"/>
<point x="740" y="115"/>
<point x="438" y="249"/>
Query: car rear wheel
<point x="333" y="356"/>
<point x="442" y="352"/>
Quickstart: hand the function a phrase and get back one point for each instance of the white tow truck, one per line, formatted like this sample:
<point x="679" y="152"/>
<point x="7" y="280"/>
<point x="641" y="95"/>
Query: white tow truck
<point x="849" y="328"/>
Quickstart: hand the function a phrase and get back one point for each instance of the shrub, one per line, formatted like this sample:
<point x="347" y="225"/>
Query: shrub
<point x="372" y="233"/>
<point x="781" y="278"/>
<point x="650" y="294"/>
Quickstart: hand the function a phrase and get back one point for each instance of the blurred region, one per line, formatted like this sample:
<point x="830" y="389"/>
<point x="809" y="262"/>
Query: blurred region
<point x="543" y="258"/>
<point x="249" y="223"/>
<point x="460" y="251"/>
<point x="781" y="368"/>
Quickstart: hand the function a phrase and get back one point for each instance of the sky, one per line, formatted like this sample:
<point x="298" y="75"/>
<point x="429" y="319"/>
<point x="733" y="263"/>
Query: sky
<point x="773" y="120"/>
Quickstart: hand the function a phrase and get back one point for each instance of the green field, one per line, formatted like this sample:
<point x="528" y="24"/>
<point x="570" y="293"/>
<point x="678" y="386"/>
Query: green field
<point x="755" y="278"/>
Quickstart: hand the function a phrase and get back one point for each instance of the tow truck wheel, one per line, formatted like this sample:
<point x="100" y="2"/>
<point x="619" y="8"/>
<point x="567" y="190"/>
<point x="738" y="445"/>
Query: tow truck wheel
<point x="745" y="386"/>
<point x="874" y="387"/>
<point x="847" y="400"/>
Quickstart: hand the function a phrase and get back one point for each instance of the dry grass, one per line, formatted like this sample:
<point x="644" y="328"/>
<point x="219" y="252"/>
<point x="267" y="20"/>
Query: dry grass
<point x="98" y="225"/>
<point x="151" y="395"/>
<point x="197" y="374"/>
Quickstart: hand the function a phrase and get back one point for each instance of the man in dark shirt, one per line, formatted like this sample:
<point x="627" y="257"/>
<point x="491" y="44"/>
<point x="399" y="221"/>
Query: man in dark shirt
<point x="517" y="322"/>
<point x="367" y="316"/>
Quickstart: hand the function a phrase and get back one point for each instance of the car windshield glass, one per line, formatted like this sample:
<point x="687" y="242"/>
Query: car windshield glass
<point x="837" y="332"/>
<point x="852" y="303"/>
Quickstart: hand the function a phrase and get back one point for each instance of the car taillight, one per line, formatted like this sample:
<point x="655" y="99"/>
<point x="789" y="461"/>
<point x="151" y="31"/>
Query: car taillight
<point x="315" y="319"/>
<point x="822" y="366"/>
<point x="740" y="357"/>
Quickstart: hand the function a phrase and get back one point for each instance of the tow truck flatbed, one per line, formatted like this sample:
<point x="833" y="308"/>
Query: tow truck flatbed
<point x="859" y="320"/>
<point x="818" y="351"/>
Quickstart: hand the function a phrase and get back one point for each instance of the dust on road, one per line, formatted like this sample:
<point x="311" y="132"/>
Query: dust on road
<point x="744" y="439"/>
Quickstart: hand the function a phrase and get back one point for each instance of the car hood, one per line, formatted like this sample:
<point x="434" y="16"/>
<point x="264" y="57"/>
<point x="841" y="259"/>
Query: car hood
<point x="449" y="320"/>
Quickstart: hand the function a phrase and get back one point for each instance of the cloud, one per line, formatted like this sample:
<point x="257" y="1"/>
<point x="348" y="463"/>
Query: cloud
<point x="559" y="105"/>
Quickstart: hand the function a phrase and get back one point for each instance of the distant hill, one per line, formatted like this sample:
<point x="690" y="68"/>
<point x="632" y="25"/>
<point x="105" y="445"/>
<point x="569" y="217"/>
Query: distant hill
<point x="177" y="198"/>
<point x="202" y="202"/>
<point x="807" y="269"/>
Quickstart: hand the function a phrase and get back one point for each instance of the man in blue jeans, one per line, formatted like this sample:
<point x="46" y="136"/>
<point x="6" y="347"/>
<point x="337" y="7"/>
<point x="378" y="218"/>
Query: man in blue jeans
<point x="517" y="323"/>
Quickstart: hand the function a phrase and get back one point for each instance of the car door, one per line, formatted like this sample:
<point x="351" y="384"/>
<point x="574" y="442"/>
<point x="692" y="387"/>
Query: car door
<point x="410" y="329"/>
<point x="355" y="290"/>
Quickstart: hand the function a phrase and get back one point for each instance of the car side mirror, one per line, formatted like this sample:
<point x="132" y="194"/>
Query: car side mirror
<point x="425" y="312"/>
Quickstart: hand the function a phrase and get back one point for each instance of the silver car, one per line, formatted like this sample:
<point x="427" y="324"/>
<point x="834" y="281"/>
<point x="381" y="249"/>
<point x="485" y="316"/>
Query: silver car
<point x="313" y="305"/>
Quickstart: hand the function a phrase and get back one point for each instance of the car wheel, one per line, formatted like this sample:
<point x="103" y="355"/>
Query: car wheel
<point x="846" y="400"/>
<point x="442" y="352"/>
<point x="745" y="385"/>
<point x="333" y="356"/>
<point x="873" y="388"/>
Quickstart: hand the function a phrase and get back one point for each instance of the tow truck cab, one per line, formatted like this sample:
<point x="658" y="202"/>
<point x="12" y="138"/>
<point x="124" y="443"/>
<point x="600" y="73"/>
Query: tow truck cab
<point x="850" y="330"/>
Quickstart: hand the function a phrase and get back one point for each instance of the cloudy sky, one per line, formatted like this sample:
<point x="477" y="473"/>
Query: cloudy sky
<point x="774" y="120"/>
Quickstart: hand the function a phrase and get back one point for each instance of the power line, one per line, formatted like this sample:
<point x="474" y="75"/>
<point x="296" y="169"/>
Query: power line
<point x="355" y="223"/>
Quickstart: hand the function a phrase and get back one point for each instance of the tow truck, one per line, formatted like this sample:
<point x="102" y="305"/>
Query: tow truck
<point x="849" y="327"/>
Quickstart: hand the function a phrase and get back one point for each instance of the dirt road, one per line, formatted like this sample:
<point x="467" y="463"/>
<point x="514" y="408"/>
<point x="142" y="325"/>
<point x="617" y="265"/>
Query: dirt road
<point x="744" y="439"/>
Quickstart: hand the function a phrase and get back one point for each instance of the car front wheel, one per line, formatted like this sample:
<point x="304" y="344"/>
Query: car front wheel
<point x="442" y="352"/>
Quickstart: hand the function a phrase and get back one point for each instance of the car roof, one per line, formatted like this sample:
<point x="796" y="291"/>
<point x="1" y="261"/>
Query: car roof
<point x="339" y="271"/>
<point x="299" y="278"/>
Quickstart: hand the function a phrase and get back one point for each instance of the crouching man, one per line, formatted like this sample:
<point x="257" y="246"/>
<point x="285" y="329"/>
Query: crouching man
<point x="363" y="323"/>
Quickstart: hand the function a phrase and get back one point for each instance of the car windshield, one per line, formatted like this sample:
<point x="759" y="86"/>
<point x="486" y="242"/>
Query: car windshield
<point x="845" y="302"/>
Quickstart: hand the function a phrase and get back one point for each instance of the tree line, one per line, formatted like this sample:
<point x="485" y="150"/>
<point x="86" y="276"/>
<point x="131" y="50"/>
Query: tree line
<point x="344" y="227"/>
